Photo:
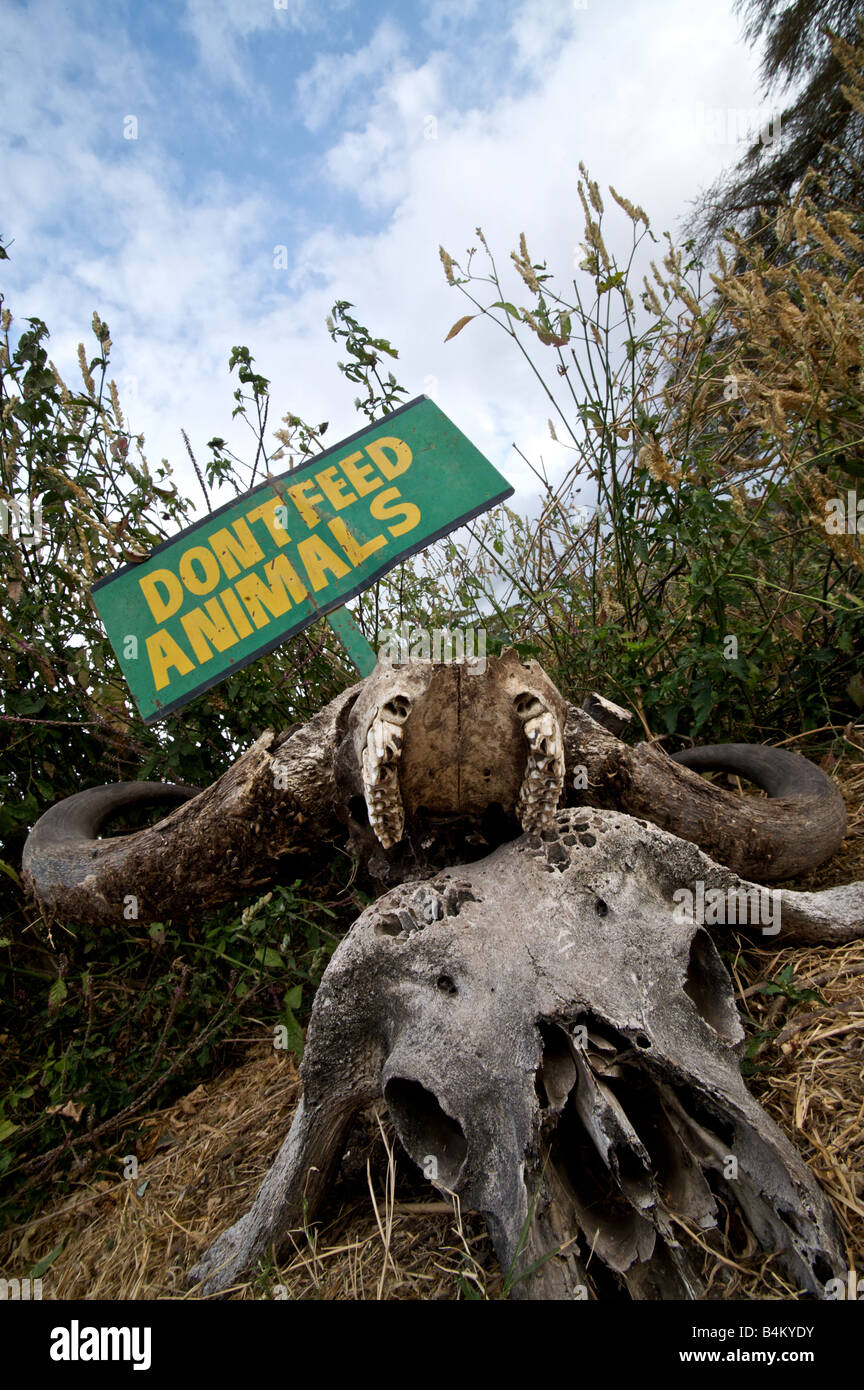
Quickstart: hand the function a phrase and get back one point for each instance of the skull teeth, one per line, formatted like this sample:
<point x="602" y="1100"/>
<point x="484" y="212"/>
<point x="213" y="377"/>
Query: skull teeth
<point x="544" y="774"/>
<point x="381" y="757"/>
<point x="539" y="793"/>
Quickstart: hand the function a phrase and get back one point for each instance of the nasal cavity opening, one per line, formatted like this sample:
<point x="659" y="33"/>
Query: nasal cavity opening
<point x="707" y="984"/>
<point x="430" y="1136"/>
<point x="556" y="1075"/>
<point x="527" y="706"/>
<point x="397" y="709"/>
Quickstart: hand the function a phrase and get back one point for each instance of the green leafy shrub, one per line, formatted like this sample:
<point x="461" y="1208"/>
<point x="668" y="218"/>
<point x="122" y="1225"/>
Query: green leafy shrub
<point x="698" y="579"/>
<point x="96" y="1022"/>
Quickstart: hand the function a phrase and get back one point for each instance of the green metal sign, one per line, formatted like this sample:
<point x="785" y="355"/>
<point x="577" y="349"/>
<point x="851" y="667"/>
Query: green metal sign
<point x="237" y="583"/>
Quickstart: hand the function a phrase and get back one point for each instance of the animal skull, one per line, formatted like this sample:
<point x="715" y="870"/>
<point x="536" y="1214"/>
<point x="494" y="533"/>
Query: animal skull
<point x="555" y="1046"/>
<point x="431" y="741"/>
<point x="441" y="764"/>
<point x="538" y="1022"/>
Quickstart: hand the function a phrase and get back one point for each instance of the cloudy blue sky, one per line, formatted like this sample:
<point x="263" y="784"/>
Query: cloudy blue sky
<point x="358" y="135"/>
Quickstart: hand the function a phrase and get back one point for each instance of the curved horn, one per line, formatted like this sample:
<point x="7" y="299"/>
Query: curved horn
<point x="797" y="829"/>
<point x="279" y="796"/>
<point x="81" y="817"/>
<point x="777" y="771"/>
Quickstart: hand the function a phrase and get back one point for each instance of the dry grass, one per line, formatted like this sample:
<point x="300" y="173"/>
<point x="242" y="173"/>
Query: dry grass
<point x="202" y="1161"/>
<point x="811" y="1077"/>
<point x="379" y="1237"/>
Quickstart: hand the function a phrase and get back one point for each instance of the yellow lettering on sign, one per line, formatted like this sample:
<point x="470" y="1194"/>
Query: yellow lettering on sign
<point x="379" y="450"/>
<point x="272" y="513"/>
<point x="190" y="562"/>
<point x="162" y="608"/>
<point x="207" y="625"/>
<point x="318" y="557"/>
<point x="258" y="594"/>
<point x="356" y="553"/>
<point x="297" y="493"/>
<point x="333" y="488"/>
<point x="236" y="549"/>
<point x="389" y="504"/>
<point x="236" y="613"/>
<point x="163" y="653"/>
<point x="362" y="478"/>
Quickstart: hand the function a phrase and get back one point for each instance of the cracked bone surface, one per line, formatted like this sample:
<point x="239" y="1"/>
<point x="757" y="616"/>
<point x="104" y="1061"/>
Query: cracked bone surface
<point x="543" y="1026"/>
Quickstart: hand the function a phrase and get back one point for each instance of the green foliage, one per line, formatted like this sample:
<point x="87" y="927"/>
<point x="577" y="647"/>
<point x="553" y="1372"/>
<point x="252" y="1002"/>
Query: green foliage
<point x="382" y="393"/>
<point x="94" y="1022"/>
<point x="785" y="985"/>
<point x="679" y="558"/>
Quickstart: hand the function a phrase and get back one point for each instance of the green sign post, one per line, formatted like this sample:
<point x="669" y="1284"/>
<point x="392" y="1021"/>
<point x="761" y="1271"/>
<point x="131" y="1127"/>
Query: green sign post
<point x="234" y="585"/>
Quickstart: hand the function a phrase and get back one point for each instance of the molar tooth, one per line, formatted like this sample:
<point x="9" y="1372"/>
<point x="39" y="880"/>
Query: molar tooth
<point x="381" y="779"/>
<point x="544" y="773"/>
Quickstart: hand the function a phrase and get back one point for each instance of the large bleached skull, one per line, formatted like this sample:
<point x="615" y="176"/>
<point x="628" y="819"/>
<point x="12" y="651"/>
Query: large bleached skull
<point x="557" y="1046"/>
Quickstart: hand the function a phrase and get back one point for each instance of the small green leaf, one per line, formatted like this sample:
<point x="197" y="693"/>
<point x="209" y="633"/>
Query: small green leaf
<point x="46" y="1262"/>
<point x="293" y="1032"/>
<point x="269" y="958"/>
<point x="57" y="993"/>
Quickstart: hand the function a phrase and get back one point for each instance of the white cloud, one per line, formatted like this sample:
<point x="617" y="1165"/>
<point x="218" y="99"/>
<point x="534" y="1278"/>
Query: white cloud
<point x="219" y="28"/>
<point x="181" y="265"/>
<point x="442" y="17"/>
<point x="539" y="28"/>
<point x="373" y="163"/>
<point x="512" y="166"/>
<point x="334" y="76"/>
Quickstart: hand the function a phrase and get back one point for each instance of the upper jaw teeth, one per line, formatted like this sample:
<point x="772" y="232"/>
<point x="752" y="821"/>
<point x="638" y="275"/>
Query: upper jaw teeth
<point x="381" y="756"/>
<point x="539" y="793"/>
<point x="544" y="772"/>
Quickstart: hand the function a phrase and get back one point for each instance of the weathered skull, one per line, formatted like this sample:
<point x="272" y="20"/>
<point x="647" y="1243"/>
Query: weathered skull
<point x="556" y="1046"/>
<point x="429" y="764"/>
<point x="454" y="740"/>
